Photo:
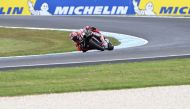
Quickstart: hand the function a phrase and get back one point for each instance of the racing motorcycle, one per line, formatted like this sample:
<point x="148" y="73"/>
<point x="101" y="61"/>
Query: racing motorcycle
<point x="91" y="41"/>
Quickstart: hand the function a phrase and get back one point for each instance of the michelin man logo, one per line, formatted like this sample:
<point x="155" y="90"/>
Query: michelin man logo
<point x="148" y="11"/>
<point x="43" y="11"/>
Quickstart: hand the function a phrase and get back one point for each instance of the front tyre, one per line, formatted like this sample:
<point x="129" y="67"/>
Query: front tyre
<point x="110" y="46"/>
<point x="84" y="51"/>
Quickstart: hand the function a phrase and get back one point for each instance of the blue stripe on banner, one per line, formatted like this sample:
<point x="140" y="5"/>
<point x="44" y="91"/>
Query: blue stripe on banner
<point x="87" y="7"/>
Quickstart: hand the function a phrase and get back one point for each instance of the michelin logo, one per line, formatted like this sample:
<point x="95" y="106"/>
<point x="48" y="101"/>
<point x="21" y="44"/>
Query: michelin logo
<point x="43" y="11"/>
<point x="91" y="10"/>
<point x="148" y="11"/>
<point x="11" y="10"/>
<point x="184" y="10"/>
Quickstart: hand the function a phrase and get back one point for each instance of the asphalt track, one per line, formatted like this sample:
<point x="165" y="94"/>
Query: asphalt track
<point x="168" y="38"/>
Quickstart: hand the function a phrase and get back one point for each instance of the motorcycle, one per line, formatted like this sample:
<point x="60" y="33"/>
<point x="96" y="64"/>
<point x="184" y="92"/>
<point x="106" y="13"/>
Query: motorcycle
<point x="91" y="41"/>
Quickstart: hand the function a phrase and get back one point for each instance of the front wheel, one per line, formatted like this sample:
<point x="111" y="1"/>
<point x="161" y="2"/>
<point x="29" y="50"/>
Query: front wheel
<point x="84" y="51"/>
<point x="110" y="46"/>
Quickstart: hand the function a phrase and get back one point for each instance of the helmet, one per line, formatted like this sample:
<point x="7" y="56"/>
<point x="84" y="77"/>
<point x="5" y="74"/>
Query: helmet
<point x="74" y="36"/>
<point x="87" y="30"/>
<point x="87" y="27"/>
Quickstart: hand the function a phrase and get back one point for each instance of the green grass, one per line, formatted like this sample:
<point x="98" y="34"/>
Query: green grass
<point x="99" y="77"/>
<point x="17" y="42"/>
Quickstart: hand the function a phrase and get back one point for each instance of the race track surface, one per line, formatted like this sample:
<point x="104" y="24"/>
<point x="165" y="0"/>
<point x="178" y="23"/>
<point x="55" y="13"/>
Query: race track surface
<point x="166" y="36"/>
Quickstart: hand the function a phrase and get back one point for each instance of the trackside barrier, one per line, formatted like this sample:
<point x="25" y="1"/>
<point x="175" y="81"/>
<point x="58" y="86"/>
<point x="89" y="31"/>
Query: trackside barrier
<point x="96" y="7"/>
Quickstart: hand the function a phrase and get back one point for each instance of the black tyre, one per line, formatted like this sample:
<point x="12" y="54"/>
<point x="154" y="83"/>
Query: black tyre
<point x="110" y="46"/>
<point x="95" y="44"/>
<point x="84" y="51"/>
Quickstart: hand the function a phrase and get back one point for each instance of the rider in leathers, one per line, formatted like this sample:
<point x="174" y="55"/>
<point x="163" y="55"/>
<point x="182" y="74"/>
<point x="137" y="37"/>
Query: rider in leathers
<point x="77" y="37"/>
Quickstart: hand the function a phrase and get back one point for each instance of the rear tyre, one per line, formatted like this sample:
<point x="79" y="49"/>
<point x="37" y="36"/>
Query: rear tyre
<point x="96" y="44"/>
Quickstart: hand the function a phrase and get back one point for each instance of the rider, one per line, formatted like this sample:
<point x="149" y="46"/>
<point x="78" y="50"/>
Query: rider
<point x="77" y="37"/>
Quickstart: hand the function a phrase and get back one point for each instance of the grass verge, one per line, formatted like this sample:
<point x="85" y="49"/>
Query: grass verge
<point x="18" y="42"/>
<point x="99" y="77"/>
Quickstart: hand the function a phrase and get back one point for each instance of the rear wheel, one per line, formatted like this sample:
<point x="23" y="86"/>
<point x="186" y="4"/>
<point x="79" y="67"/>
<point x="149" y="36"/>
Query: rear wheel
<point x="96" y="44"/>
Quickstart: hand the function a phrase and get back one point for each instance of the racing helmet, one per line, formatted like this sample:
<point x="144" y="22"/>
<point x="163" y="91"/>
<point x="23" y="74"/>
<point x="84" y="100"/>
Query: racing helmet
<point x="87" y="27"/>
<point x="74" y="36"/>
<point x="87" y="30"/>
<point x="90" y="28"/>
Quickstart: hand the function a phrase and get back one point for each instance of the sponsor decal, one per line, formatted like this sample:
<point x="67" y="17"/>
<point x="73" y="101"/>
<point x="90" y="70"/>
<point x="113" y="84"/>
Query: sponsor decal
<point x="165" y="8"/>
<point x="14" y="7"/>
<point x="149" y="9"/>
<point x="91" y="10"/>
<point x="175" y="10"/>
<point x="44" y="9"/>
<point x="82" y="7"/>
<point x="66" y="7"/>
<point x="11" y="10"/>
